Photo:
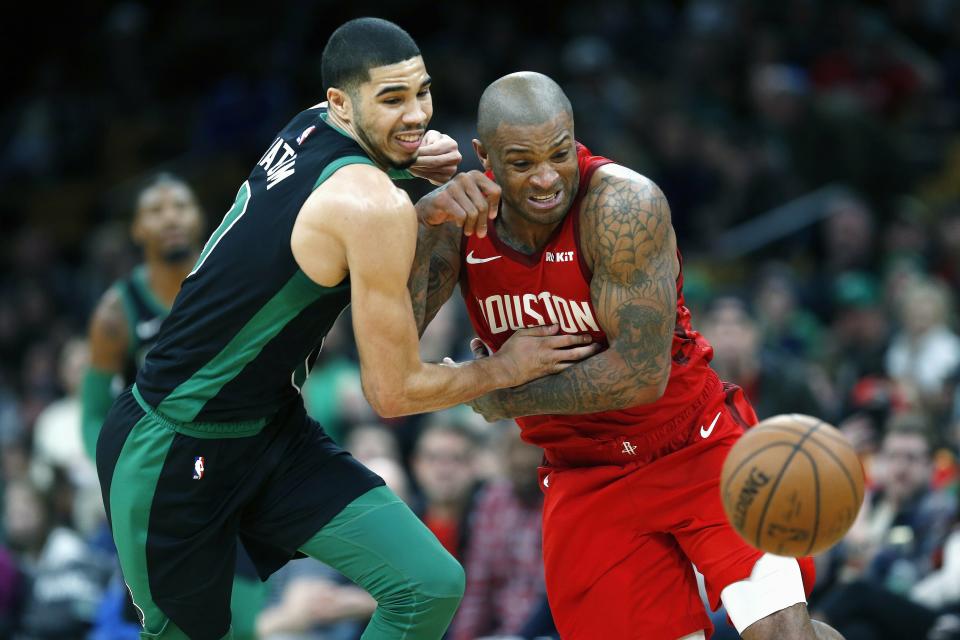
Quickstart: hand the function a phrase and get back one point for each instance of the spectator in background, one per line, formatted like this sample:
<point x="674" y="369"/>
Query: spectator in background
<point x="859" y="332"/>
<point x="504" y="558"/>
<point x="903" y="560"/>
<point x="773" y="386"/>
<point x="57" y="441"/>
<point x="371" y="440"/>
<point x="443" y="468"/>
<point x="11" y="593"/>
<point x="65" y="578"/>
<point x="903" y="522"/>
<point x="785" y="325"/>
<point x="926" y="351"/>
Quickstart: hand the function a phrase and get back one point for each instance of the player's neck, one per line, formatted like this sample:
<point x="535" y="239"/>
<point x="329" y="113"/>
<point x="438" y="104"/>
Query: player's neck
<point x="348" y="128"/>
<point x="165" y="277"/>
<point x="521" y="234"/>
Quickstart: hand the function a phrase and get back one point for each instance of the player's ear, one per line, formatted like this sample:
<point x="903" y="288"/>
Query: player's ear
<point x="482" y="154"/>
<point x="339" y="102"/>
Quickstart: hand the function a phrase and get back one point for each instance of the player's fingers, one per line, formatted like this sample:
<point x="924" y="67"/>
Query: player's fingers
<point x="476" y="196"/>
<point x="478" y="348"/>
<point x="491" y="191"/>
<point x="577" y="353"/>
<point x="453" y="212"/>
<point x="470" y="210"/>
<point x="433" y="159"/>
<point x="566" y="340"/>
<point x="432" y="136"/>
<point x="540" y="330"/>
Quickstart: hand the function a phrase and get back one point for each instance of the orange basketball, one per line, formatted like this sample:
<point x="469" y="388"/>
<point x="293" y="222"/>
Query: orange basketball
<point x="792" y="485"/>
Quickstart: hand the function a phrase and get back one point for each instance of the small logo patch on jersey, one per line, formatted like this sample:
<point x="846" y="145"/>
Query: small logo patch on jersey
<point x="306" y="134"/>
<point x="559" y="256"/>
<point x="198" y="467"/>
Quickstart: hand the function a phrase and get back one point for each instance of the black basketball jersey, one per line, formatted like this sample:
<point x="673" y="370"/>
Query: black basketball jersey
<point x="144" y="314"/>
<point x="248" y="323"/>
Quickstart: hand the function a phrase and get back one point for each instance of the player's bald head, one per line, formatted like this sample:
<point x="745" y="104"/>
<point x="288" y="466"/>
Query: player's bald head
<point x="522" y="98"/>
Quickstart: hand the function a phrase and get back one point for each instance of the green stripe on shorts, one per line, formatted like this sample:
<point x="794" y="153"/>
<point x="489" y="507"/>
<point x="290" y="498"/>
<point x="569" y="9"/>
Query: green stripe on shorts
<point x="132" y="489"/>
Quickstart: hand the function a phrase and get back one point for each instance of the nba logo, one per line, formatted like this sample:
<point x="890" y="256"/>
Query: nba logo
<point x="306" y="132"/>
<point x="198" y="467"/>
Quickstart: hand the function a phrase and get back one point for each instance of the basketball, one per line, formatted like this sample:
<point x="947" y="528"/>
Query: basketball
<point x="792" y="485"/>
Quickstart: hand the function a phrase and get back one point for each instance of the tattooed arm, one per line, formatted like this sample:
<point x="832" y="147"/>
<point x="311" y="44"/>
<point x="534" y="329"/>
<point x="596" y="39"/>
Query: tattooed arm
<point x="436" y="269"/>
<point x="462" y="206"/>
<point x="627" y="236"/>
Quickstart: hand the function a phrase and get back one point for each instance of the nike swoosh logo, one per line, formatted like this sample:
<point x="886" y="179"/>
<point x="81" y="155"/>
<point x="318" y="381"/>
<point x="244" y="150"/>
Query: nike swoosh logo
<point x="705" y="433"/>
<point x="472" y="260"/>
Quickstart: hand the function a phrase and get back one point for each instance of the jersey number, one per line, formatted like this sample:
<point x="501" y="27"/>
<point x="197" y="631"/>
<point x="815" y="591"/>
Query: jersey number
<point x="233" y="214"/>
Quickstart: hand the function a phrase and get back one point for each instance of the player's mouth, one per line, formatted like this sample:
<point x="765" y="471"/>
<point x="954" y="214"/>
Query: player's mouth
<point x="546" y="201"/>
<point x="409" y="140"/>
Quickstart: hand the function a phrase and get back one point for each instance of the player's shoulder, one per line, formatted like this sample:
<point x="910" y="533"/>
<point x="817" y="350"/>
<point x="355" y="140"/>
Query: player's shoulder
<point x="617" y="193"/>
<point x="357" y="195"/>
<point x="614" y="177"/>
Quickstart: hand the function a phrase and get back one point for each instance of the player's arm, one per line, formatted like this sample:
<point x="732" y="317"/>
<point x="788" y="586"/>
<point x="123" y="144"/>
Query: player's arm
<point x="628" y="238"/>
<point x="360" y="223"/>
<point x="108" y="354"/>
<point x="463" y="206"/>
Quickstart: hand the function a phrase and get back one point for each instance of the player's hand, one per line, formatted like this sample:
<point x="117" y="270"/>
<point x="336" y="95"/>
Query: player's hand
<point x="470" y="201"/>
<point x="437" y="158"/>
<point x="539" y="351"/>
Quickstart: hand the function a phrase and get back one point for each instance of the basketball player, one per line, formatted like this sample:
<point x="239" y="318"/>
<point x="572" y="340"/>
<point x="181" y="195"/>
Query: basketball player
<point x="166" y="225"/>
<point x="634" y="437"/>
<point x="212" y="441"/>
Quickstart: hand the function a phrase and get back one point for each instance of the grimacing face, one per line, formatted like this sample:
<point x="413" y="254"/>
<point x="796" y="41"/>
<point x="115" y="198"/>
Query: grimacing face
<point x="391" y="111"/>
<point x="536" y="167"/>
<point x="168" y="222"/>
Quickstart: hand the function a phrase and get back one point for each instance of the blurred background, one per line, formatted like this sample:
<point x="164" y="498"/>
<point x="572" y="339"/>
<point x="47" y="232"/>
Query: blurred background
<point x="810" y="152"/>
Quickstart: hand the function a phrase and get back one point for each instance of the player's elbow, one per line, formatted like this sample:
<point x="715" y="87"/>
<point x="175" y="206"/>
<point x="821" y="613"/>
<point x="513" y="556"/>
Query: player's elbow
<point x="649" y="391"/>
<point x="377" y="392"/>
<point x="386" y="404"/>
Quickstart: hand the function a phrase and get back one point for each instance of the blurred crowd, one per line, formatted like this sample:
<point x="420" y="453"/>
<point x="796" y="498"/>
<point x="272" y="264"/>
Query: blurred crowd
<point x="810" y="152"/>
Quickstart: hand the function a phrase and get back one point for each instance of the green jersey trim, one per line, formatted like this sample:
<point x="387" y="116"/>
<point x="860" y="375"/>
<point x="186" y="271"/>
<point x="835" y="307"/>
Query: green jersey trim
<point x="338" y="164"/>
<point x="130" y="313"/>
<point x="187" y="400"/>
<point x="140" y="280"/>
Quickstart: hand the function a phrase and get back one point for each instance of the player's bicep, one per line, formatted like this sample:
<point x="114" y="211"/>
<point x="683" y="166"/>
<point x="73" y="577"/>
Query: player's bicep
<point x="635" y="271"/>
<point x="379" y="257"/>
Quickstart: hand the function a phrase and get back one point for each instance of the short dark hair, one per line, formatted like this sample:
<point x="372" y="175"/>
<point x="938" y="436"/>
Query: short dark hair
<point x="360" y="45"/>
<point x="160" y="179"/>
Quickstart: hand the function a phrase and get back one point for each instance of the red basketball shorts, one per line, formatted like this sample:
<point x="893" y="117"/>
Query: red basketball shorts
<point x="619" y="538"/>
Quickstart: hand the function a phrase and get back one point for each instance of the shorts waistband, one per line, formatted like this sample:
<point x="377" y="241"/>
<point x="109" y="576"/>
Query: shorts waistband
<point x="640" y="448"/>
<point x="207" y="430"/>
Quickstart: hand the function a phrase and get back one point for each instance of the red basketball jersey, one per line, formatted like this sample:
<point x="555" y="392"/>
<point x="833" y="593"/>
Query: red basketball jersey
<point x="505" y="290"/>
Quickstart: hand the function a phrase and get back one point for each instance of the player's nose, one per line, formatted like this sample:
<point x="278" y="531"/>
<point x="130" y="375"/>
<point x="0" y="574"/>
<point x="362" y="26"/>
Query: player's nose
<point x="545" y="178"/>
<point x="414" y="114"/>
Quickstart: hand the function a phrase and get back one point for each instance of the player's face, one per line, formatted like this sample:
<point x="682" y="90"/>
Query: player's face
<point x="536" y="167"/>
<point x="391" y="112"/>
<point x="168" y="222"/>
